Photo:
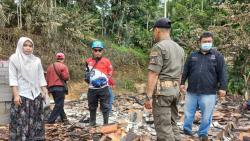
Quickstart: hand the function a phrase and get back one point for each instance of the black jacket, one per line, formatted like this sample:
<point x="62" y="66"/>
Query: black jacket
<point x="206" y="73"/>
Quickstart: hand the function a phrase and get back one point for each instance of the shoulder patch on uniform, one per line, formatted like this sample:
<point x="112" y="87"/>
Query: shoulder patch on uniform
<point x="153" y="60"/>
<point x="154" y="53"/>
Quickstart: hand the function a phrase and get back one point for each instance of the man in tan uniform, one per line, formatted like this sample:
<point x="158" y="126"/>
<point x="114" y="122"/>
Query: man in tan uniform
<point x="165" y="68"/>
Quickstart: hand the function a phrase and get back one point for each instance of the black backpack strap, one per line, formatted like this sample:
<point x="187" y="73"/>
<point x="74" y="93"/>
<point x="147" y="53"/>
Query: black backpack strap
<point x="93" y="66"/>
<point x="87" y="66"/>
<point x="216" y="54"/>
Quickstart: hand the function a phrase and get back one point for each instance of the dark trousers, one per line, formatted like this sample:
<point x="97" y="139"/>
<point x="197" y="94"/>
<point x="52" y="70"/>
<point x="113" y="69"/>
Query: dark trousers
<point x="59" y="97"/>
<point x="165" y="114"/>
<point x="94" y="96"/>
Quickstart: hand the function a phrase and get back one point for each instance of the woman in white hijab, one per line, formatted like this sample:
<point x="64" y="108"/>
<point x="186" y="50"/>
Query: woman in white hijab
<point x="26" y="78"/>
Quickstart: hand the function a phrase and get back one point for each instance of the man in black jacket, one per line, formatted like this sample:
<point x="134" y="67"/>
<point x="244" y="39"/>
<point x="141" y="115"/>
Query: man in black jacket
<point x="206" y="73"/>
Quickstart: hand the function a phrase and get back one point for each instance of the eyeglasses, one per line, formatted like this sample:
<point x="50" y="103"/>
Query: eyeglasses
<point x="98" y="50"/>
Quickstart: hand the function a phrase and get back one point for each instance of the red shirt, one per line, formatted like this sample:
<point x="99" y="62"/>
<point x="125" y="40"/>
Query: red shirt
<point x="103" y="65"/>
<point x="103" y="69"/>
<point x="51" y="76"/>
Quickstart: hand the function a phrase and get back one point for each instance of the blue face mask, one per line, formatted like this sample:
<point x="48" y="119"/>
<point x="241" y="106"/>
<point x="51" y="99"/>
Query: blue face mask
<point x="206" y="46"/>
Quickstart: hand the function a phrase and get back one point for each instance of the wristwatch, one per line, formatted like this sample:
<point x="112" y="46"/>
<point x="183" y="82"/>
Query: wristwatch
<point x="148" y="98"/>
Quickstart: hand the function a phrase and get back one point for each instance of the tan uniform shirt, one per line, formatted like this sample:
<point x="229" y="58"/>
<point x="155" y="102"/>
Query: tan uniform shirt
<point x="167" y="59"/>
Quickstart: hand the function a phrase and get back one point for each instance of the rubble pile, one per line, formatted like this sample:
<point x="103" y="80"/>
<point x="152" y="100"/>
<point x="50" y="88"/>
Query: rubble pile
<point x="4" y="133"/>
<point x="129" y="117"/>
<point x="129" y="121"/>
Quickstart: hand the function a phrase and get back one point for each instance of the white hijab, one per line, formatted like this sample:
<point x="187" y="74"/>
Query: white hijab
<point x="27" y="64"/>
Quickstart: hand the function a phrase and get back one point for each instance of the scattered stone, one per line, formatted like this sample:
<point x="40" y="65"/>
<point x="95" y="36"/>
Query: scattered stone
<point x="131" y="121"/>
<point x="84" y="96"/>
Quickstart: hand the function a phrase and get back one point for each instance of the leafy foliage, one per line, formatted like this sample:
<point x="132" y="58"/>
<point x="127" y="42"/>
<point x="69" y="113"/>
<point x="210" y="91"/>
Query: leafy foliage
<point x="62" y="25"/>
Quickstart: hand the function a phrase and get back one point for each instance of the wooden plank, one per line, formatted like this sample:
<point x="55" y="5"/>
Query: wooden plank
<point x="108" y="128"/>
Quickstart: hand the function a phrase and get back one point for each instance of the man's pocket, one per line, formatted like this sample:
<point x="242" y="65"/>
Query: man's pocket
<point x="171" y="91"/>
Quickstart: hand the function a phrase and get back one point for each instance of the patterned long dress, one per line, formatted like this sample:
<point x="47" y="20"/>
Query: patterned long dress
<point x="26" y="121"/>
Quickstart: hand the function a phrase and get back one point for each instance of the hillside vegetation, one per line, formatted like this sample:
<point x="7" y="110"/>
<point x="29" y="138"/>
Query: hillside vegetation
<point x="124" y="25"/>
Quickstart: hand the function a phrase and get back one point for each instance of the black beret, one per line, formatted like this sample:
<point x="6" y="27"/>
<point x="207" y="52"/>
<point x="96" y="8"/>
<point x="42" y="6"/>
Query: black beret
<point x="163" y="23"/>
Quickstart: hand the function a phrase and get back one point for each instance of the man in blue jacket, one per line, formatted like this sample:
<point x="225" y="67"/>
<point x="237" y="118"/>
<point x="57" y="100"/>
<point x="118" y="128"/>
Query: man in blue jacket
<point x="206" y="73"/>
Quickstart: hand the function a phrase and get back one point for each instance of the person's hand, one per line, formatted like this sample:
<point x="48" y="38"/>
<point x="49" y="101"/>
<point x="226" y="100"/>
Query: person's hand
<point x="44" y="92"/>
<point x="113" y="86"/>
<point x="222" y="93"/>
<point x="17" y="100"/>
<point x="148" y="104"/>
<point x="182" y="89"/>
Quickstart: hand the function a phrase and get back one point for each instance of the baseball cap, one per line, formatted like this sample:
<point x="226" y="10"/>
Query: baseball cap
<point x="60" y="55"/>
<point x="97" y="44"/>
